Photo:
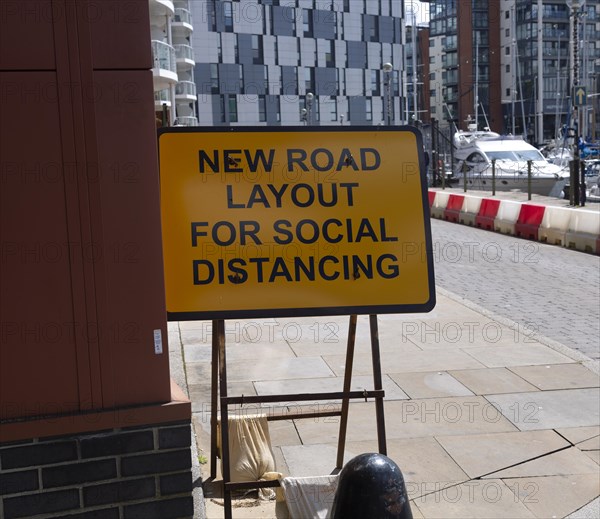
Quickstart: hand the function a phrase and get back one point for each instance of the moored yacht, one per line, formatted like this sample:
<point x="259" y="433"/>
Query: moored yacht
<point x="475" y="150"/>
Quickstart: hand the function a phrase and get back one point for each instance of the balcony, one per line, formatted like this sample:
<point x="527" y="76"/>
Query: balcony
<point x="185" y="91"/>
<point x="164" y="68"/>
<point x="159" y="10"/>
<point x="188" y="120"/>
<point x="161" y="97"/>
<point x="182" y="22"/>
<point x="185" y="56"/>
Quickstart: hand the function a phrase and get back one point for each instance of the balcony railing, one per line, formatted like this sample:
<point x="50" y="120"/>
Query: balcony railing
<point x="188" y="120"/>
<point x="183" y="51"/>
<point x="185" y="88"/>
<point x="182" y="16"/>
<point x="164" y="56"/>
<point x="162" y="96"/>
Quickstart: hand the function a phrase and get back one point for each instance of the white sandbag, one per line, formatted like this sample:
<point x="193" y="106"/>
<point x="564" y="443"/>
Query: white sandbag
<point x="309" y="497"/>
<point x="250" y="454"/>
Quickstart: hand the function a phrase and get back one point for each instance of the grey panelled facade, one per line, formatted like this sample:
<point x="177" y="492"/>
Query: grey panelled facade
<point x="257" y="60"/>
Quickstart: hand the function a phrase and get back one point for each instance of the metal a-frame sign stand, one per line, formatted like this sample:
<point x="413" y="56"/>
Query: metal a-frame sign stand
<point x="253" y="188"/>
<point x="219" y="397"/>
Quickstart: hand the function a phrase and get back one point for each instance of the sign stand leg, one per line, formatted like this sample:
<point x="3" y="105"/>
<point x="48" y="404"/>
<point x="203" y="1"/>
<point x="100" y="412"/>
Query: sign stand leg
<point x="214" y="402"/>
<point x="220" y="332"/>
<point x="378" y="384"/>
<point x="347" y="386"/>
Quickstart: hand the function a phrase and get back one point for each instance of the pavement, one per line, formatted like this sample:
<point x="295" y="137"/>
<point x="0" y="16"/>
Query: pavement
<point x="484" y="420"/>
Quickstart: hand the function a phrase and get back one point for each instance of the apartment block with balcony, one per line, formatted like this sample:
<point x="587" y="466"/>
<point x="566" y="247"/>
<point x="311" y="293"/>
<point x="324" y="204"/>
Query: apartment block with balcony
<point x="296" y="62"/>
<point x="465" y="63"/>
<point x="538" y="64"/>
<point x="174" y="88"/>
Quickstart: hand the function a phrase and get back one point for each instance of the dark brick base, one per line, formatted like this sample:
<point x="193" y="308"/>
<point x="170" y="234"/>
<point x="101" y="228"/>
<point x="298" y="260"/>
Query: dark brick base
<point x="143" y="472"/>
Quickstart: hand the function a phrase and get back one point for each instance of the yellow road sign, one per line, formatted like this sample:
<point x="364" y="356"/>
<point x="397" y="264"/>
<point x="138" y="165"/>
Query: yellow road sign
<point x="294" y="221"/>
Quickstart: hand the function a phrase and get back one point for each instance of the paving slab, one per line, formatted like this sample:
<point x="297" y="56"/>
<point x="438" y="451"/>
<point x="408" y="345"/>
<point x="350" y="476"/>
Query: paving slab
<point x="430" y="384"/>
<point x="201" y="399"/>
<point x="392" y="362"/>
<point x="517" y="355"/>
<point x="589" y="511"/>
<point x="491" y="381"/>
<point x="550" y="409"/>
<point x="203" y="352"/>
<point x="313" y="460"/>
<point x="487" y="499"/>
<point x="558" y="376"/>
<point x="425" y="465"/>
<point x="482" y="454"/>
<point x="411" y="419"/>
<point x="263" y="369"/>
<point x="460" y="333"/>
<point x="593" y="444"/>
<point x="579" y="434"/>
<point x="562" y="463"/>
<point x="555" y="496"/>
<point x="330" y="384"/>
<point x="593" y="455"/>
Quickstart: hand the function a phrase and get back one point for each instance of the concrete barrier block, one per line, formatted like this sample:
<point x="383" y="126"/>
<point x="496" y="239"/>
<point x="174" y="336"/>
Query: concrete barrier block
<point x="470" y="210"/>
<point x="554" y="226"/>
<point x="507" y="216"/>
<point x="439" y="204"/>
<point x="583" y="231"/>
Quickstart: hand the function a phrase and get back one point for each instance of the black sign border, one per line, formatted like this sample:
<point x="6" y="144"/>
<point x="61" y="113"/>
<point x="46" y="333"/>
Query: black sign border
<point x="322" y="310"/>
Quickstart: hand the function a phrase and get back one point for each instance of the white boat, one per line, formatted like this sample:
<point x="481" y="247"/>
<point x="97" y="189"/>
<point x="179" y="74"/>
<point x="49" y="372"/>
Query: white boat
<point x="475" y="150"/>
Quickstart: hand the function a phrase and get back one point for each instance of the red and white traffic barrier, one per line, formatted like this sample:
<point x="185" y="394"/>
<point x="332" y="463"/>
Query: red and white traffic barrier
<point x="569" y="227"/>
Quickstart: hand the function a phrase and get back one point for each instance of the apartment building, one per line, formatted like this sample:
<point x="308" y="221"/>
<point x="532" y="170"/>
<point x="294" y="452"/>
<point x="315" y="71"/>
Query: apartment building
<point x="291" y="62"/>
<point x="174" y="88"/>
<point x="538" y="58"/>
<point x="465" y="63"/>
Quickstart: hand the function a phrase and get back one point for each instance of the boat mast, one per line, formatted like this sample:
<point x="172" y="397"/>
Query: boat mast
<point x="477" y="81"/>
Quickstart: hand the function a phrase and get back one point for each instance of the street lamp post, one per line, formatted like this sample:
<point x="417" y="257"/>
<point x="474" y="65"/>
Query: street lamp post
<point x="309" y="102"/>
<point x="387" y="85"/>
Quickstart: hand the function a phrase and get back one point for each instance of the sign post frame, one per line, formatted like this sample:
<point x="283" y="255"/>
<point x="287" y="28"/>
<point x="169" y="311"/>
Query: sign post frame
<point x="382" y="173"/>
<point x="219" y="393"/>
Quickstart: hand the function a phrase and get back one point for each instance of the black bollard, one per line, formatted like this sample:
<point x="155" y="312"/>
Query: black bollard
<point x="371" y="486"/>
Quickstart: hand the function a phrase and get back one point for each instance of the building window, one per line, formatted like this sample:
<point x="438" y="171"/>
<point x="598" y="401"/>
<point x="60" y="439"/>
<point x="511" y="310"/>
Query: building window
<point x="332" y="101"/>
<point x="507" y="14"/>
<point x="214" y="78"/>
<point x="508" y="92"/>
<point x="257" y="49"/>
<point x="432" y="76"/>
<point x="262" y="108"/>
<point x="307" y="23"/>
<point x="375" y="89"/>
<point x="507" y="50"/>
<point x="309" y="79"/>
<point x="432" y="92"/>
<point x="233" y="113"/>
<point x="228" y="16"/>
<point x="507" y="32"/>
<point x="433" y="109"/>
<point x="222" y="108"/>
<point x="330" y="54"/>
<point x="507" y="69"/>
<point x="369" y="109"/>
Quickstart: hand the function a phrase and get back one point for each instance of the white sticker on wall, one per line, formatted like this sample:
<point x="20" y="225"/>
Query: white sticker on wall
<point x="158" y="342"/>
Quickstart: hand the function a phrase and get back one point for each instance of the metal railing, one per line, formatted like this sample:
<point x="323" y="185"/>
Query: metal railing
<point x="182" y="16"/>
<point x="183" y="51"/>
<point x="162" y="96"/>
<point x="188" y="120"/>
<point x="185" y="88"/>
<point x="164" y="56"/>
